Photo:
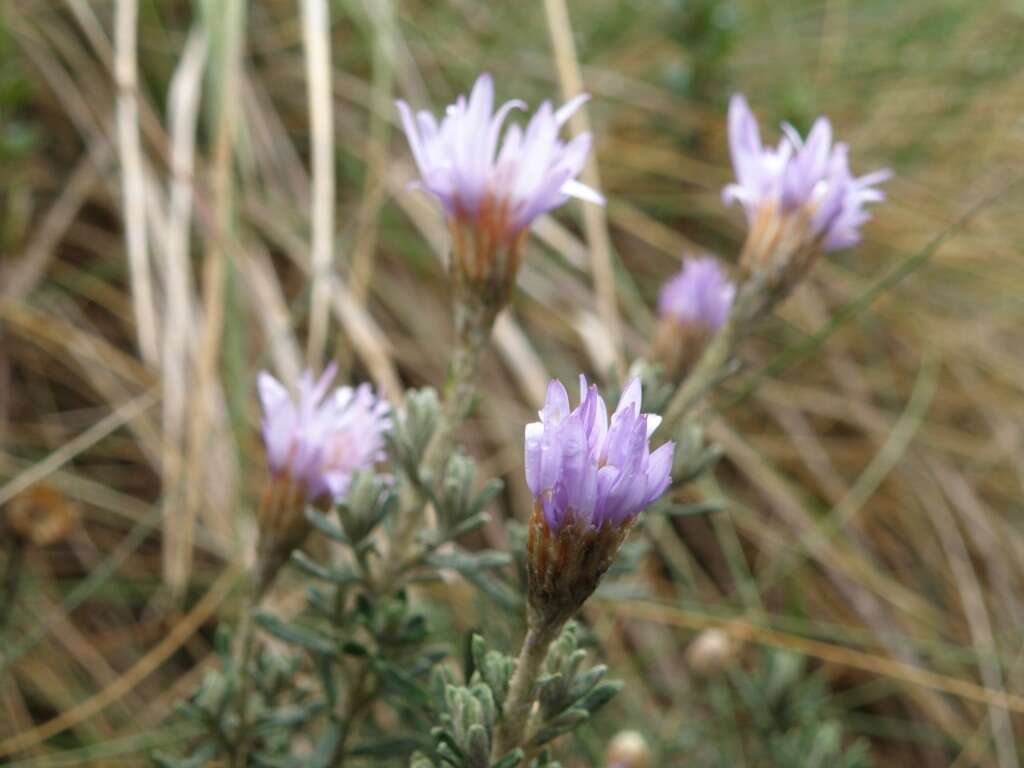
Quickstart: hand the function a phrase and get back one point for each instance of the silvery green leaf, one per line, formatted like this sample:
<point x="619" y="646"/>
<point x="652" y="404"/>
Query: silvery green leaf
<point x="395" y="747"/>
<point x="393" y="677"/>
<point x="335" y="575"/>
<point x="470" y="524"/>
<point x="293" y="634"/>
<point x="511" y="760"/>
<point x="583" y="683"/>
<point x="326" y="744"/>
<point x="478" y="747"/>
<point x="419" y="760"/>
<point x="564" y="723"/>
<point x="325" y="526"/>
<point x="486" y="496"/>
<point x="600" y="695"/>
<point x="463" y="561"/>
<point x="420" y="416"/>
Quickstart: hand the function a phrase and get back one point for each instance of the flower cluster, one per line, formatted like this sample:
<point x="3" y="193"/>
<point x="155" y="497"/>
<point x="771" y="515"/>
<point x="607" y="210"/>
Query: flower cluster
<point x="315" y="444"/>
<point x="493" y="181"/>
<point x="589" y="479"/>
<point x="807" y="185"/>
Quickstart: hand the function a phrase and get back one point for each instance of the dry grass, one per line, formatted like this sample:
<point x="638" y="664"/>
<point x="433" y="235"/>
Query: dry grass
<point x="179" y="226"/>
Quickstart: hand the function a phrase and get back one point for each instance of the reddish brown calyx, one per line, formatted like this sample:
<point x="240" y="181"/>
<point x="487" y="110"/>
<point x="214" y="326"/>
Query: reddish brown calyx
<point x="564" y="567"/>
<point x="283" y="527"/>
<point x="485" y="256"/>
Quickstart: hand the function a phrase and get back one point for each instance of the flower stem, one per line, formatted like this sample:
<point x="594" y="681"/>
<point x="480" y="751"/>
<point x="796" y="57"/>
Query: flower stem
<point x="751" y="302"/>
<point x="245" y="643"/>
<point x="473" y="323"/>
<point x="523" y="688"/>
<point x="359" y="698"/>
<point x="474" y="320"/>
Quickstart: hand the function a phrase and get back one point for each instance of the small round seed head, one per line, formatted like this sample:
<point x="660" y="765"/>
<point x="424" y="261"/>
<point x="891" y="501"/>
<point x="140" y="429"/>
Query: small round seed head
<point x="711" y="652"/>
<point x="629" y="749"/>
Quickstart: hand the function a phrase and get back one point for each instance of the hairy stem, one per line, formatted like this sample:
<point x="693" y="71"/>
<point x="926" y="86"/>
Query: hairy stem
<point x="752" y="301"/>
<point x="523" y="688"/>
<point x="245" y="643"/>
<point x="474" y="320"/>
<point x="357" y="702"/>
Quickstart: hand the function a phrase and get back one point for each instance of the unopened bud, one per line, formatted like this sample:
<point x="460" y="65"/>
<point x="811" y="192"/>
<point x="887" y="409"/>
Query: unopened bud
<point x="629" y="749"/>
<point x="711" y="652"/>
<point x="693" y="306"/>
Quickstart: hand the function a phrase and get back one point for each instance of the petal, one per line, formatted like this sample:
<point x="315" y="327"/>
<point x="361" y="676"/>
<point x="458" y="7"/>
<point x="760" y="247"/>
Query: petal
<point x="581" y="191"/>
<point x="659" y="472"/>
<point x="412" y="135"/>
<point x="631" y="396"/>
<point x="550" y="460"/>
<point x="532" y="458"/>
<point x="272" y="392"/>
<point x="570" y="107"/>
<point x="556" y="404"/>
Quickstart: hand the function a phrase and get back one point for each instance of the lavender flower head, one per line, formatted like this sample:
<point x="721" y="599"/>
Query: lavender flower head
<point x="699" y="295"/>
<point x="319" y="440"/>
<point x="589" y="479"/>
<point x="812" y="177"/>
<point x="589" y="474"/>
<point x="497" y="182"/>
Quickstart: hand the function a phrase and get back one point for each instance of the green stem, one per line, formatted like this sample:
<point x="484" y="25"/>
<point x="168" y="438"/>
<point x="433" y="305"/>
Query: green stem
<point x="473" y="323"/>
<point x="751" y="303"/>
<point x="356" y="704"/>
<point x="245" y="644"/>
<point x="522" y="690"/>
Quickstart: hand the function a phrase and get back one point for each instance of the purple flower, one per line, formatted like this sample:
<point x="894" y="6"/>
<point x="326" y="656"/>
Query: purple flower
<point x="698" y="295"/>
<point x="812" y="176"/>
<point x="321" y="439"/>
<point x="497" y="180"/>
<point x="587" y="473"/>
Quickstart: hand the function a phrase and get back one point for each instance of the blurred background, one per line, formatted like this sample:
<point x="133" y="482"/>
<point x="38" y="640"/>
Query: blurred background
<point x="165" y="176"/>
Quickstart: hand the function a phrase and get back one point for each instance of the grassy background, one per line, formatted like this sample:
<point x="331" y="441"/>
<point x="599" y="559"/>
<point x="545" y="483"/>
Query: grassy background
<point x="872" y="472"/>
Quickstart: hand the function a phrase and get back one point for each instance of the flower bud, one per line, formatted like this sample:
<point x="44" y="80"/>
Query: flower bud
<point x="693" y="306"/>
<point x="629" y="749"/>
<point x="589" y="479"/>
<point x="711" y="652"/>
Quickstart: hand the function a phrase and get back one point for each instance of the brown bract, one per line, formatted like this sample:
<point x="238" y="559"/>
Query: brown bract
<point x="779" y="251"/>
<point x="283" y="527"/>
<point x="485" y="258"/>
<point x="565" y="567"/>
